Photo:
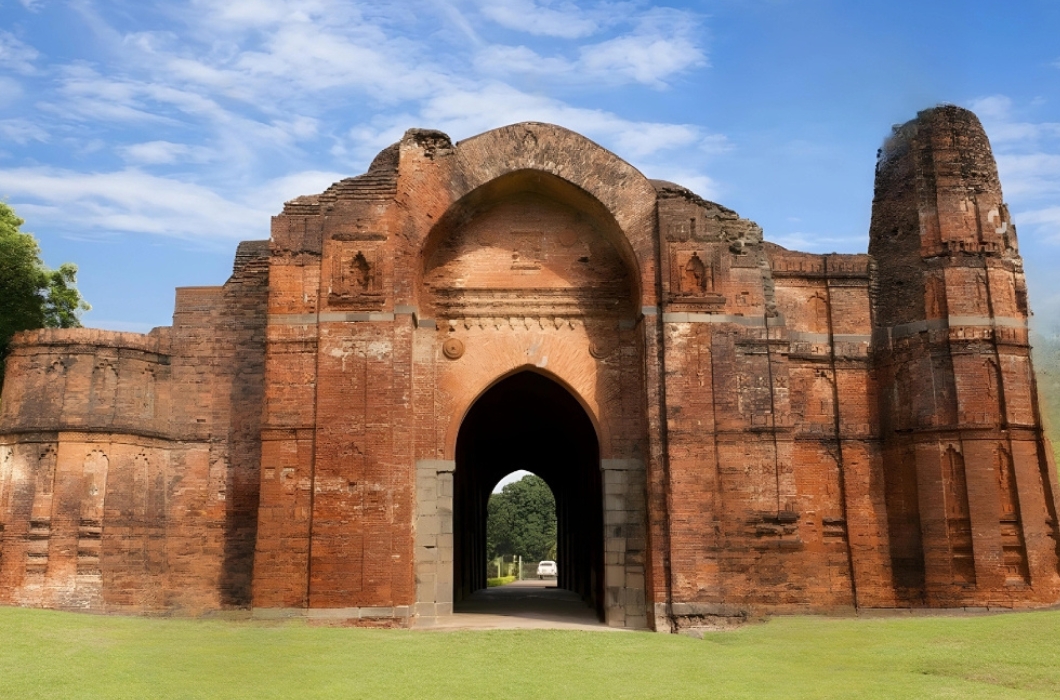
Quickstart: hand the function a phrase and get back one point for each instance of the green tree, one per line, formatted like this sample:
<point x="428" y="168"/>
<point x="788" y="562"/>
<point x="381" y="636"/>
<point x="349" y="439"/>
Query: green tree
<point x="521" y="520"/>
<point x="1047" y="367"/>
<point x="31" y="295"/>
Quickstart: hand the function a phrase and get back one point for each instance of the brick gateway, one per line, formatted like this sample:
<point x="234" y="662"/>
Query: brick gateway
<point x="730" y="428"/>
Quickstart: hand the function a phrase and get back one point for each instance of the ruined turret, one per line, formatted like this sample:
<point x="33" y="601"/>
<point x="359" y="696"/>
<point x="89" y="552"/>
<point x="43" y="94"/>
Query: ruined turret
<point x="970" y="490"/>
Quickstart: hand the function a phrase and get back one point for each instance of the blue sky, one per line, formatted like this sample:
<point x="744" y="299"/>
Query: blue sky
<point x="143" y="140"/>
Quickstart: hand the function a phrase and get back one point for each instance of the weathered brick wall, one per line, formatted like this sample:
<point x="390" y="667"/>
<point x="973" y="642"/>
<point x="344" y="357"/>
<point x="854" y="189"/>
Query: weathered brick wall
<point x="335" y="518"/>
<point x="123" y="466"/>
<point x="770" y="439"/>
<point x="767" y="430"/>
<point x="970" y="491"/>
<point x="366" y="292"/>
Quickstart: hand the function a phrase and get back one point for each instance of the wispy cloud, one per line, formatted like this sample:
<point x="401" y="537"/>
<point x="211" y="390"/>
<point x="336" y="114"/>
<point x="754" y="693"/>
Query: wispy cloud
<point x="464" y="113"/>
<point x="134" y="201"/>
<point x="22" y="131"/>
<point x="11" y="91"/>
<point x="661" y="44"/>
<point x="1046" y="219"/>
<point x="219" y="100"/>
<point x="1003" y="125"/>
<point x="703" y="185"/>
<point x="816" y="241"/>
<point x="164" y="153"/>
<point x="544" y="18"/>
<point x="1028" y="162"/>
<point x="16" y="55"/>
<point x="1027" y="175"/>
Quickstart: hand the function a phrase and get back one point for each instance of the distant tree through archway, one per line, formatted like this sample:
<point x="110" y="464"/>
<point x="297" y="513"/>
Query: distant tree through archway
<point x="521" y="521"/>
<point x="529" y="421"/>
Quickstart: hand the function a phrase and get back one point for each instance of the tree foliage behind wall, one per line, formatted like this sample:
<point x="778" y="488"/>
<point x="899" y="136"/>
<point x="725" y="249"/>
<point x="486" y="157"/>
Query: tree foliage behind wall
<point x="521" y="520"/>
<point x="1047" y="368"/>
<point x="31" y="295"/>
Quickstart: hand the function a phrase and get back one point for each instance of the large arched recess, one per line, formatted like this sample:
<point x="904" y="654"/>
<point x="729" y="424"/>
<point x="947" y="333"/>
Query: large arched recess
<point x="504" y="157"/>
<point x="530" y="421"/>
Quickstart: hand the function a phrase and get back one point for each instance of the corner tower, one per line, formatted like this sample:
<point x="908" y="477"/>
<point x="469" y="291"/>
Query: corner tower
<point x="970" y="487"/>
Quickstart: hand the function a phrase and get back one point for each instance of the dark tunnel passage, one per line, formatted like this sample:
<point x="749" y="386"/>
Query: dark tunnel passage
<point x="528" y="421"/>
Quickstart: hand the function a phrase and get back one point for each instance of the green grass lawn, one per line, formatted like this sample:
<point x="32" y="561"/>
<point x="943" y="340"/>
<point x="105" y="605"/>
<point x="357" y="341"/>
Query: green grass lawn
<point x="45" y="654"/>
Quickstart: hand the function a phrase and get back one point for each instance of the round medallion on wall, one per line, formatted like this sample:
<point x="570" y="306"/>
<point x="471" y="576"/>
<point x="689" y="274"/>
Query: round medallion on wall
<point x="453" y="348"/>
<point x="600" y="349"/>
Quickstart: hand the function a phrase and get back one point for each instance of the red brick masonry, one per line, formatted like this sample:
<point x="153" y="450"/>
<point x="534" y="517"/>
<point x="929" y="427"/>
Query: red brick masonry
<point x="731" y="428"/>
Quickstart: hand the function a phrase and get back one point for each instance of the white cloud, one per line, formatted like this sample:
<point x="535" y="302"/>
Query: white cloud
<point x="713" y="144"/>
<point x="991" y="107"/>
<point x="10" y="91"/>
<point x="465" y="113"/>
<point x="136" y="202"/>
<point x="1028" y="163"/>
<point x="703" y="185"/>
<point x="17" y="55"/>
<point x="816" y="242"/>
<point x="241" y="14"/>
<point x="1003" y="126"/>
<point x="451" y="13"/>
<point x="498" y="59"/>
<point x="268" y="53"/>
<point x="22" y="131"/>
<point x="283" y="189"/>
<point x="659" y="48"/>
<point x="1046" y="221"/>
<point x="247" y="84"/>
<point x="543" y="17"/>
<point x="307" y="60"/>
<point x="661" y="45"/>
<point x="163" y="152"/>
<point x="130" y="201"/>
<point x="1029" y="174"/>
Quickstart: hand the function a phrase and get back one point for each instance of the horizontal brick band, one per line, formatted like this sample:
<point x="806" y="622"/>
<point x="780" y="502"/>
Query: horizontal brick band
<point x="904" y="330"/>
<point x="690" y="317"/>
<point x="328" y="317"/>
<point x="824" y="337"/>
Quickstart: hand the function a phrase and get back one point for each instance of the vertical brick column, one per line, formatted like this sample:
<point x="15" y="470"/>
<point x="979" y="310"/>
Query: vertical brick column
<point x="958" y="422"/>
<point x="288" y="424"/>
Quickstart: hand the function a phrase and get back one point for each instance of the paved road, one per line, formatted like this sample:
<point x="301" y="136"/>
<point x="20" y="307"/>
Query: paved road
<point x="523" y="605"/>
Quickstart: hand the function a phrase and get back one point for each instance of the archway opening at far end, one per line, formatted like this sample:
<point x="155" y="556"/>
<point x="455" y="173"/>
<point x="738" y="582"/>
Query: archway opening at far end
<point x="530" y="422"/>
<point x="521" y="529"/>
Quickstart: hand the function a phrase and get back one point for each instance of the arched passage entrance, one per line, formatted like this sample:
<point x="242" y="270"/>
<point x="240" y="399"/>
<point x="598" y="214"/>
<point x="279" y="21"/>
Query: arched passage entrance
<point x="529" y="421"/>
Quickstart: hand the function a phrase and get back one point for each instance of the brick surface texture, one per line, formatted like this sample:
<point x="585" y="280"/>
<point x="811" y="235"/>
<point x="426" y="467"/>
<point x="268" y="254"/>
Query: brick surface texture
<point x="731" y="428"/>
